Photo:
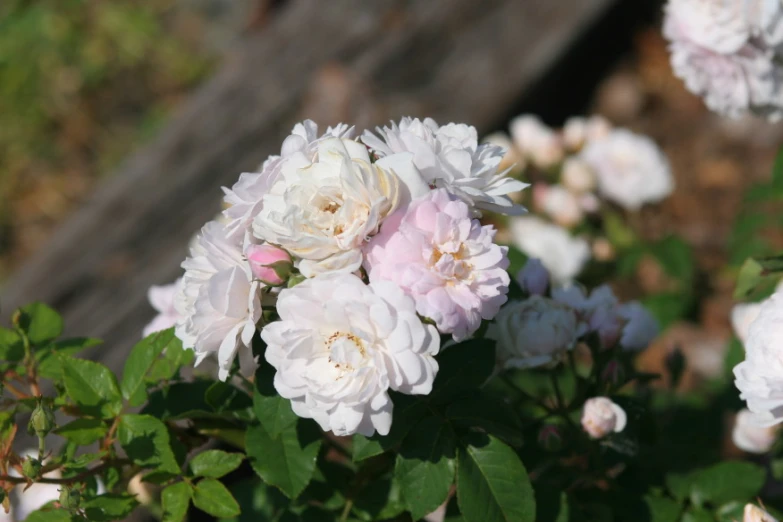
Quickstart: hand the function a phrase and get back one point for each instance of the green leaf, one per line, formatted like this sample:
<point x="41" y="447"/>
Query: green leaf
<point x="695" y="514"/>
<point x="92" y="387"/>
<point x="167" y="367"/>
<point x="463" y="368"/>
<point x="212" y="497"/>
<point x="83" y="431"/>
<point x="425" y="466"/>
<point x="186" y="400"/>
<point x="408" y="410"/>
<point x="48" y="357"/>
<point x="215" y="463"/>
<point x="755" y="272"/>
<point x="146" y="441"/>
<point x="381" y="499"/>
<point x="40" y="323"/>
<point x="176" y="499"/>
<point x="109" y="507"/>
<point x="50" y="515"/>
<point x="662" y="509"/>
<point x="287" y="461"/>
<point x="618" y="232"/>
<point x="11" y="346"/>
<point x="222" y="397"/>
<point x="666" y="307"/>
<point x="273" y="412"/>
<point x="727" y="481"/>
<point x="489" y="415"/>
<point x="492" y="483"/>
<point x="140" y="361"/>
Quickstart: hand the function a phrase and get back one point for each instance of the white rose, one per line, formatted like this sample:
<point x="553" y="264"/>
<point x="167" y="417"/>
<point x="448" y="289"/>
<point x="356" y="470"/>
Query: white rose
<point x="563" y="255"/>
<point x="718" y="25"/>
<point x="630" y="168"/>
<point x="245" y="198"/>
<point x="759" y="377"/>
<point x="340" y="345"/>
<point x="533" y="332"/>
<point x="766" y="20"/>
<point x="756" y="514"/>
<point x="577" y="176"/>
<point x="742" y="315"/>
<point x="450" y="157"/>
<point x="601" y="416"/>
<point x="562" y="205"/>
<point x="218" y="302"/>
<point x="536" y="141"/>
<point x="324" y="212"/>
<point x="748" y="436"/>
<point x="162" y="300"/>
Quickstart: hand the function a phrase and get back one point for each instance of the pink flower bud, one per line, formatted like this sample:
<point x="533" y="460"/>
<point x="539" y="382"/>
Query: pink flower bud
<point x="550" y="438"/>
<point x="601" y="416"/>
<point x="270" y="265"/>
<point x="756" y="514"/>
<point x="534" y="277"/>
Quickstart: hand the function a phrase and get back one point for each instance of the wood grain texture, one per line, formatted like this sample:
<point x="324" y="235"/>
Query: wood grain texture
<point x="354" y="60"/>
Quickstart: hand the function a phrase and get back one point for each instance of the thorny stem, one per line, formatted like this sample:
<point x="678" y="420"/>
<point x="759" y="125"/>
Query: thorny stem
<point x="41" y="448"/>
<point x="70" y="480"/>
<point x="346" y="510"/>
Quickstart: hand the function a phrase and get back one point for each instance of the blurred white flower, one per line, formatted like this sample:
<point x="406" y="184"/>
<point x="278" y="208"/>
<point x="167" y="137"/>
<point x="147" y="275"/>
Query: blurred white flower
<point x="340" y="345"/>
<point x="759" y="377"/>
<point x="713" y="52"/>
<point x="324" y="212"/>
<point x="766" y="21"/>
<point x="630" y="168"/>
<point x="578" y="131"/>
<point x="533" y="332"/>
<point x="218" y="301"/>
<point x="537" y="142"/>
<point x="742" y="315"/>
<point x="748" y="436"/>
<point x="563" y="255"/>
<point x="577" y="176"/>
<point x="756" y="514"/>
<point x="601" y="416"/>
<point x="450" y="157"/>
<point x="511" y="158"/>
<point x="162" y="299"/>
<point x="562" y="205"/>
<point x="245" y="198"/>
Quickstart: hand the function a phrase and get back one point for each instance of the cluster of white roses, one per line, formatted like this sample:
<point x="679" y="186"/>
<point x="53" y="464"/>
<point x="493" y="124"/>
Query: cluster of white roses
<point x="540" y="329"/>
<point x="351" y="256"/>
<point x="729" y="52"/>
<point x="574" y="170"/>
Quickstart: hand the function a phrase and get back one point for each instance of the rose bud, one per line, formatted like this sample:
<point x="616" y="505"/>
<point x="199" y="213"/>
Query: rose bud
<point x="70" y="498"/>
<point x="550" y="438"/>
<point x="534" y="278"/>
<point x="601" y="416"/>
<point x="270" y="265"/>
<point x="756" y="514"/>
<point x="42" y="420"/>
<point x="32" y="468"/>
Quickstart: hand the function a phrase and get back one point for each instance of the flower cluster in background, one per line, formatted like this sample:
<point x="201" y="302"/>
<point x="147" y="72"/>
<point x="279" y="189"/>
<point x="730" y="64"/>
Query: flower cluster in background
<point x="728" y="52"/>
<point x="579" y="175"/>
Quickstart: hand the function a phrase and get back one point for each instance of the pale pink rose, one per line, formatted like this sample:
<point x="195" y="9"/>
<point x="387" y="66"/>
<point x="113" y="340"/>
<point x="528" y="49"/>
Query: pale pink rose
<point x="162" y="299"/>
<point x="601" y="416"/>
<point x="445" y="260"/>
<point x="270" y="265"/>
<point x="563" y="206"/>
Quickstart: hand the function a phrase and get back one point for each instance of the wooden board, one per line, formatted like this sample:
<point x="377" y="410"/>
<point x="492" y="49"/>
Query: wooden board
<point x="355" y="60"/>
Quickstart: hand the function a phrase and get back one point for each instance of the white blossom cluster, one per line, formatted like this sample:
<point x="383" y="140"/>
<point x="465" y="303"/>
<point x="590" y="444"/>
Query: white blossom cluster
<point x="729" y="53"/>
<point x="351" y="256"/>
<point x="540" y="329"/>
<point x="575" y="171"/>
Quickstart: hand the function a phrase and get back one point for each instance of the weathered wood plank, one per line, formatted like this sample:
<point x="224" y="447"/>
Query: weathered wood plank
<point x="366" y="62"/>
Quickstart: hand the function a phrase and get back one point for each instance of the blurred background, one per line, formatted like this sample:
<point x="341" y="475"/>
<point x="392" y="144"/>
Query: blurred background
<point x="120" y="120"/>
